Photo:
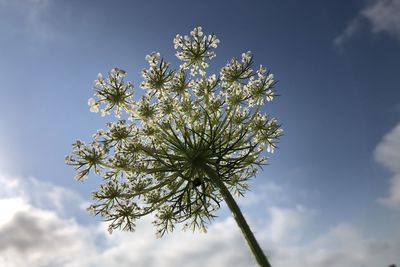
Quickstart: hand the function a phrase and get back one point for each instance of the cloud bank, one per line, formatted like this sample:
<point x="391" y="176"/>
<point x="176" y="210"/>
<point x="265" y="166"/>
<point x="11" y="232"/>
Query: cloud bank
<point x="381" y="16"/>
<point x="36" y="232"/>
<point x="387" y="153"/>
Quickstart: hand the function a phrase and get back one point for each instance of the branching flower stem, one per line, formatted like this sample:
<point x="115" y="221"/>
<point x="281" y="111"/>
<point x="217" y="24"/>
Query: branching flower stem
<point x="238" y="216"/>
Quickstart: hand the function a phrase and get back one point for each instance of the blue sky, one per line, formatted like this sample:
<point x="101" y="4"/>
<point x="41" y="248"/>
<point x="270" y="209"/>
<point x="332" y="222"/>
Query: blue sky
<point x="335" y="177"/>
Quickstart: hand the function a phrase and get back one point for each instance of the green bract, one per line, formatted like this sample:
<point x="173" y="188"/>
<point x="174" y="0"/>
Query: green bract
<point x="188" y="133"/>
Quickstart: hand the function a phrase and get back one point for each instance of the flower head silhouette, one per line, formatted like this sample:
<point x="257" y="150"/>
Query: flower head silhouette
<point x="190" y="142"/>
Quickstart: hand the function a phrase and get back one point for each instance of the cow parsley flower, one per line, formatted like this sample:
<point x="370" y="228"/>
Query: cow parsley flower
<point x="191" y="141"/>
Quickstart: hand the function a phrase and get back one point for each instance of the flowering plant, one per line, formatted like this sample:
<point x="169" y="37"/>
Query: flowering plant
<point x="189" y="143"/>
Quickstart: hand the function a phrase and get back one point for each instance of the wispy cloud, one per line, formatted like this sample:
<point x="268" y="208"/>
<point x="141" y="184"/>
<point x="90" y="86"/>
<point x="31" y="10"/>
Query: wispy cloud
<point x="380" y="16"/>
<point x="388" y="154"/>
<point x="31" y="9"/>
<point x="29" y="19"/>
<point x="352" y="28"/>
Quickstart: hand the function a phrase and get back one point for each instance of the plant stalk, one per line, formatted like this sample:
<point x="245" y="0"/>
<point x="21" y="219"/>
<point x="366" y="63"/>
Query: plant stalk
<point x="238" y="216"/>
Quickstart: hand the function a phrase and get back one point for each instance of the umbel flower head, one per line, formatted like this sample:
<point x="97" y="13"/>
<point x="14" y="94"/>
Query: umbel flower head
<point x="191" y="139"/>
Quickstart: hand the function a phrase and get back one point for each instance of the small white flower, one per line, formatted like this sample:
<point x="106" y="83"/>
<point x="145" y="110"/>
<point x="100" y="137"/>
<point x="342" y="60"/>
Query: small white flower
<point x="270" y="149"/>
<point x="204" y="64"/>
<point x="91" y="101"/>
<point x="153" y="58"/>
<point x="261" y="71"/>
<point x="98" y="84"/>
<point x="212" y="78"/>
<point x="199" y="31"/>
<point x="94" y="109"/>
<point x="94" y="106"/>
<point x="246" y="56"/>
<point x="193" y="71"/>
<point x="104" y="112"/>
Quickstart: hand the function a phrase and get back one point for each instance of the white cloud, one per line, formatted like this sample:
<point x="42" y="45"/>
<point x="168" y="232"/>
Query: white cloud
<point x="286" y="223"/>
<point x="35" y="228"/>
<point x="269" y="191"/>
<point x="37" y="237"/>
<point x="28" y="18"/>
<point x="41" y="194"/>
<point x="33" y="233"/>
<point x="33" y="224"/>
<point x="382" y="16"/>
<point x="387" y="153"/>
<point x="343" y="246"/>
<point x="221" y="246"/>
<point x="8" y="207"/>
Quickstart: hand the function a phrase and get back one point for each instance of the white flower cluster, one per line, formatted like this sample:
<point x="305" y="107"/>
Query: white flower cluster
<point x="85" y="157"/>
<point x="193" y="50"/>
<point x="236" y="71"/>
<point x="153" y="59"/>
<point x="240" y="83"/>
<point x="158" y="76"/>
<point x="111" y="93"/>
<point x="260" y="89"/>
<point x="265" y="131"/>
<point x="185" y="121"/>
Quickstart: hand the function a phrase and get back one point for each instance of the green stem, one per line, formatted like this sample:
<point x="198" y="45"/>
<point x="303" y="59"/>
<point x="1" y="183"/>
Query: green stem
<point x="240" y="220"/>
